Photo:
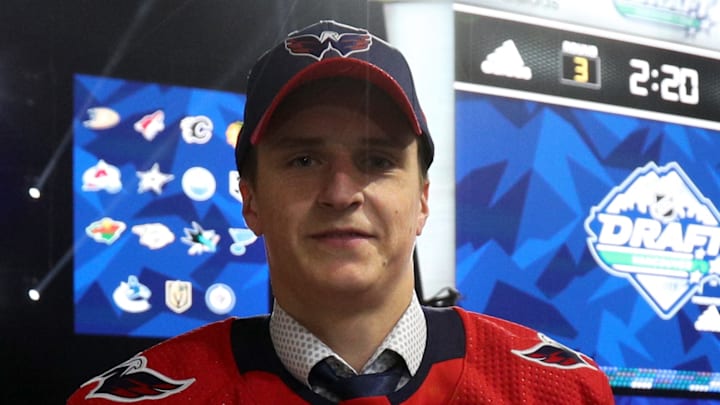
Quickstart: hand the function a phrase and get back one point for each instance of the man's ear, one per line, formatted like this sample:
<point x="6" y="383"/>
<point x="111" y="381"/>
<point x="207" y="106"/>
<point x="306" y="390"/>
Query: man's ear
<point x="249" y="209"/>
<point x="424" y="207"/>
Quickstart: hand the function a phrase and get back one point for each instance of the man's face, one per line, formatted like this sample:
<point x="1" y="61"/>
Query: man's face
<point x="337" y="194"/>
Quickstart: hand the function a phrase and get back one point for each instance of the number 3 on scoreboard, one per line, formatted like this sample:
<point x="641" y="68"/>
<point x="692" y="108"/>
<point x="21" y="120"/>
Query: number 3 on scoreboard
<point x="582" y="72"/>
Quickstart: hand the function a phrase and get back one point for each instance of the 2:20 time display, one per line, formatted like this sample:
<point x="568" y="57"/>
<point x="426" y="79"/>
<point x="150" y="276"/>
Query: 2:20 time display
<point x="674" y="83"/>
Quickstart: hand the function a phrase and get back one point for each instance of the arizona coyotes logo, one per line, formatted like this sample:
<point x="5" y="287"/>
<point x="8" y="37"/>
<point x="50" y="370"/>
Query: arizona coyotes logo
<point x="552" y="354"/>
<point x="317" y="46"/>
<point x="132" y="381"/>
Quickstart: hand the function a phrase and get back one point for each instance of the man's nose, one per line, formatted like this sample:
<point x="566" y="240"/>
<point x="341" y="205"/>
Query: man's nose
<point x="342" y="187"/>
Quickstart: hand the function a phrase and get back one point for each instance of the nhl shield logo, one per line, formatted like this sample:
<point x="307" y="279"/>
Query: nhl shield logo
<point x="178" y="295"/>
<point x="658" y="231"/>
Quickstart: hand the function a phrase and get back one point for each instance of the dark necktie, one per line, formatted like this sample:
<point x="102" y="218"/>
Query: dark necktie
<point x="363" y="385"/>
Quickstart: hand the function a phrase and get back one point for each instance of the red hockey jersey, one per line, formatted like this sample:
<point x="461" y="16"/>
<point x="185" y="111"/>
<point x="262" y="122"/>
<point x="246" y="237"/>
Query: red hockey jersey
<point x="469" y="359"/>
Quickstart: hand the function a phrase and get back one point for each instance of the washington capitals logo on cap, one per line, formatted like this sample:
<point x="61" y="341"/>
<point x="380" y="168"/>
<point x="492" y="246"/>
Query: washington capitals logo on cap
<point x="132" y="381"/>
<point x="317" y="47"/>
<point x="552" y="354"/>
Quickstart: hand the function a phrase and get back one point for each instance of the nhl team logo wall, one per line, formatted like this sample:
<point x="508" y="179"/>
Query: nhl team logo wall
<point x="658" y="231"/>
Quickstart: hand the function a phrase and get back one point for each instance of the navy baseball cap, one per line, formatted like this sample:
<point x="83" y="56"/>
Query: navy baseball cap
<point x="327" y="49"/>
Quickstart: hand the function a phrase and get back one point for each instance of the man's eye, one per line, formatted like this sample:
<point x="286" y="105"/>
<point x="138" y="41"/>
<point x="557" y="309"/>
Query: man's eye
<point x="302" y="161"/>
<point x="378" y="162"/>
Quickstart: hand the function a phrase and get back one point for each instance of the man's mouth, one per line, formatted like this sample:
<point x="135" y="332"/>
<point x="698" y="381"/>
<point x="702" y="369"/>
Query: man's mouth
<point x="341" y="234"/>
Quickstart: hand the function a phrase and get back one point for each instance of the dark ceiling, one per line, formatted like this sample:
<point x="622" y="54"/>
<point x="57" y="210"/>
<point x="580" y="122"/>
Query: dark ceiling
<point x="201" y="43"/>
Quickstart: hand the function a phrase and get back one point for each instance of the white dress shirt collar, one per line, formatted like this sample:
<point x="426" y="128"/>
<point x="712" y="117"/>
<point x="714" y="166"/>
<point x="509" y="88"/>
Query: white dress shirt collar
<point x="299" y="350"/>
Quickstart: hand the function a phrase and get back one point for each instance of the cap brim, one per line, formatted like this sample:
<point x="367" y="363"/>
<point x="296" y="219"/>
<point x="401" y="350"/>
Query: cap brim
<point x="341" y="67"/>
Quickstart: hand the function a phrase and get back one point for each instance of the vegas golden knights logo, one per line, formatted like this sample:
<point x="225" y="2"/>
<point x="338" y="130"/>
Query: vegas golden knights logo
<point x="178" y="295"/>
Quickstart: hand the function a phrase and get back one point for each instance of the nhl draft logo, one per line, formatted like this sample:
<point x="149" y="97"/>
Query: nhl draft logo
<point x="660" y="233"/>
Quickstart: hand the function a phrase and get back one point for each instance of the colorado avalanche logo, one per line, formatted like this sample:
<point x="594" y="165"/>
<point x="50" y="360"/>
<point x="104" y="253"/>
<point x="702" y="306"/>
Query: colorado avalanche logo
<point x="132" y="381"/>
<point x="552" y="354"/>
<point x="317" y="46"/>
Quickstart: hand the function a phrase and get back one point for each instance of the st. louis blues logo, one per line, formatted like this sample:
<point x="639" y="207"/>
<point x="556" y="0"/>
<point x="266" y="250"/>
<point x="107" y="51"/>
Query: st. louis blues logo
<point x="317" y="47"/>
<point x="132" y="381"/>
<point x="552" y="354"/>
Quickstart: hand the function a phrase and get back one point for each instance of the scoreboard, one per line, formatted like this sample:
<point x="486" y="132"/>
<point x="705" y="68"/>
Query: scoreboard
<point x="587" y="179"/>
<point x="587" y="64"/>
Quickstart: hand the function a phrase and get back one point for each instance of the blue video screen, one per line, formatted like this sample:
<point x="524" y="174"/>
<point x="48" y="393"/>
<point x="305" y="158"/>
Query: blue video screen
<point x="161" y="246"/>
<point x="598" y="229"/>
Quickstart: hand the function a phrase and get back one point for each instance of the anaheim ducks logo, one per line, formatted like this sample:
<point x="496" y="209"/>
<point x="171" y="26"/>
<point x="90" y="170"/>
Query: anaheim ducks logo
<point x="133" y="381"/>
<point x="552" y="354"/>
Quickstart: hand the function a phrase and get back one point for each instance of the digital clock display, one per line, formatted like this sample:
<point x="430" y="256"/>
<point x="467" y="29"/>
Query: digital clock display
<point x="660" y="80"/>
<point x="673" y="83"/>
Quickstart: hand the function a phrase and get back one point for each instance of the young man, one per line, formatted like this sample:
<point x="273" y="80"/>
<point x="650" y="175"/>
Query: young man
<point x="333" y="156"/>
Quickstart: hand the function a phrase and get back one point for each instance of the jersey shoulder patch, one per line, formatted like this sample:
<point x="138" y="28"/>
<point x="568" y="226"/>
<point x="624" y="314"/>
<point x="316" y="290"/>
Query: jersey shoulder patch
<point x="134" y="381"/>
<point x="550" y="353"/>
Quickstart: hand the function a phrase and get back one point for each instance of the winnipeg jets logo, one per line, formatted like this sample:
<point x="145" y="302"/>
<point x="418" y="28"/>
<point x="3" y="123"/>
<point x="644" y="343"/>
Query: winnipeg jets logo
<point x="552" y="354"/>
<point x="317" y="47"/>
<point x="132" y="381"/>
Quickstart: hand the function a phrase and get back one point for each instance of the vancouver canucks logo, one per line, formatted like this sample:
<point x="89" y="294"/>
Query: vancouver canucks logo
<point x="660" y="233"/>
<point x="328" y="42"/>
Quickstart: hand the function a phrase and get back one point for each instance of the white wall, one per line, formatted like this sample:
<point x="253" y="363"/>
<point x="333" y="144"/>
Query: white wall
<point x="424" y="33"/>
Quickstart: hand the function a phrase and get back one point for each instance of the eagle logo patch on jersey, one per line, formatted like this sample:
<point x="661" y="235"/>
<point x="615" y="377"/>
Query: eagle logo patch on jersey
<point x="133" y="381"/>
<point x="552" y="354"/>
<point x="318" y="46"/>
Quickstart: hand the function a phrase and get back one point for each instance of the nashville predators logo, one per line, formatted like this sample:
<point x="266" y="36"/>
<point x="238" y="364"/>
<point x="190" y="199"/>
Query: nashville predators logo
<point x="552" y="354"/>
<point x="133" y="381"/>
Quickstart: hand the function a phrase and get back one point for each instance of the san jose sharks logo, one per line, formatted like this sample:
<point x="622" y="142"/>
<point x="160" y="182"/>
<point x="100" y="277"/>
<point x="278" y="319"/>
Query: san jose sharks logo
<point x="133" y="381"/>
<point x="553" y="354"/>
<point x="331" y="42"/>
<point x="660" y="233"/>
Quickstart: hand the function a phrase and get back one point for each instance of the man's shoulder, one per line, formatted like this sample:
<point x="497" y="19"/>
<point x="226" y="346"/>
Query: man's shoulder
<point x="488" y="334"/>
<point x="495" y="329"/>
<point x="193" y="365"/>
<point x="490" y="328"/>
<point x="499" y="350"/>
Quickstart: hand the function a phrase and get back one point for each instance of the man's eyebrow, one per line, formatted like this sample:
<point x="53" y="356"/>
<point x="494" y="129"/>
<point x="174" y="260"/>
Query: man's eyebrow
<point x="300" y="141"/>
<point x="291" y="142"/>
<point x="386" y="142"/>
